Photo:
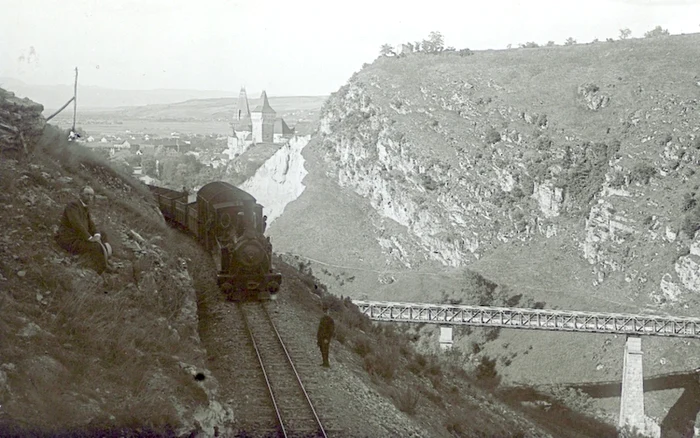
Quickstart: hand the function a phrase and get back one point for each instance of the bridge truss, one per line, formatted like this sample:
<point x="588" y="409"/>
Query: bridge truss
<point x="539" y="319"/>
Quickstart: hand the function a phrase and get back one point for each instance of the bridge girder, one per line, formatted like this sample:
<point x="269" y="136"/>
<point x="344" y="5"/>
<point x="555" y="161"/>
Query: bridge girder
<point x="538" y="319"/>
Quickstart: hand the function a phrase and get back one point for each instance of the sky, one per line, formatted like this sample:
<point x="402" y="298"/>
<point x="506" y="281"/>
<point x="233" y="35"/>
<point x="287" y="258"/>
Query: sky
<point x="289" y="48"/>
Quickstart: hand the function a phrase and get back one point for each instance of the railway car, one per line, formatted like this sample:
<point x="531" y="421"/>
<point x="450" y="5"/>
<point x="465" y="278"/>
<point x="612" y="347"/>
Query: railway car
<point x="230" y="224"/>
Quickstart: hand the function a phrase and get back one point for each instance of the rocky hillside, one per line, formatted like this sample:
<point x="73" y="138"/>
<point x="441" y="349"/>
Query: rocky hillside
<point x="565" y="175"/>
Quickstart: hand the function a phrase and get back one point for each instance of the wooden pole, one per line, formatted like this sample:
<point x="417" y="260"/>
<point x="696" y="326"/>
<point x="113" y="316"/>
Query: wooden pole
<point x="75" y="97"/>
<point x="60" y="109"/>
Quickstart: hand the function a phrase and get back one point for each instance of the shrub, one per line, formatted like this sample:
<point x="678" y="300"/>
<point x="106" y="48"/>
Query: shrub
<point x="664" y="139"/>
<point x="492" y="333"/>
<point x="428" y="182"/>
<point x="362" y="346"/>
<point x="542" y="121"/>
<point x="382" y="365"/>
<point x="658" y="31"/>
<point x="544" y="143"/>
<point x="689" y="202"/>
<point x="478" y="289"/>
<point x="417" y="365"/>
<point x="406" y="400"/>
<point x="529" y="45"/>
<point x="642" y="172"/>
<point x="514" y="300"/>
<point x="691" y="222"/>
<point x="486" y="368"/>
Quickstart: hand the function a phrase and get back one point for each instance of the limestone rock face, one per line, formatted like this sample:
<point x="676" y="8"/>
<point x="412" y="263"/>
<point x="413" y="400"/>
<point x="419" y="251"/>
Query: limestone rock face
<point x="279" y="180"/>
<point x="550" y="199"/>
<point x="592" y="97"/>
<point x="688" y="270"/>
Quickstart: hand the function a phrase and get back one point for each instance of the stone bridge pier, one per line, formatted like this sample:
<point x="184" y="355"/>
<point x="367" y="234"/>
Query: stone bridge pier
<point x="632" y="397"/>
<point x="446" y="340"/>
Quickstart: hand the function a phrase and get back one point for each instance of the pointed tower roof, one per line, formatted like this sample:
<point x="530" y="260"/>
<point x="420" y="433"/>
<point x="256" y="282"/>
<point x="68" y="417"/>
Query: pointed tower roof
<point x="243" y="110"/>
<point x="241" y="116"/>
<point x="264" y="107"/>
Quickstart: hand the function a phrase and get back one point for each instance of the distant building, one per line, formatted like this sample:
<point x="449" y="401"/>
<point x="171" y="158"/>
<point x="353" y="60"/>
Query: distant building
<point x="242" y="124"/>
<point x="282" y="132"/>
<point x="263" y="119"/>
<point x="260" y="125"/>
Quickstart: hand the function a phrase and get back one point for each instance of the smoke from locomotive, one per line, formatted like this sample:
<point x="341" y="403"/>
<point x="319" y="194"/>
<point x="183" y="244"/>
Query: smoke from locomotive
<point x="230" y="224"/>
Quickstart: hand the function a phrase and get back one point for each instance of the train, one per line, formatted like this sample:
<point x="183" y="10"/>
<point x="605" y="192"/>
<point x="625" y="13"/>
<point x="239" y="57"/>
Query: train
<point x="230" y="224"/>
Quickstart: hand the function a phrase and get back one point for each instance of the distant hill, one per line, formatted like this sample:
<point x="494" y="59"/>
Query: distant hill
<point x="150" y="104"/>
<point x="211" y="109"/>
<point x="53" y="96"/>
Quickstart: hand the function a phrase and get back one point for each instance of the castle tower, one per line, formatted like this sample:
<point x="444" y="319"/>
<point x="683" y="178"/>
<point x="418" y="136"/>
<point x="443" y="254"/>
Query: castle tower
<point x="263" y="121"/>
<point x="241" y="123"/>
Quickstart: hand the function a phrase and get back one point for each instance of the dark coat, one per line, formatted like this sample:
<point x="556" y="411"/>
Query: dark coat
<point x="75" y="228"/>
<point x="76" y="224"/>
<point x="326" y="328"/>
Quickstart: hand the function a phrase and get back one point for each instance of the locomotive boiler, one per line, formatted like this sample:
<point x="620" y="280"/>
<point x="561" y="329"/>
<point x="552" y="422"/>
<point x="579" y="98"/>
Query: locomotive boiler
<point x="230" y="224"/>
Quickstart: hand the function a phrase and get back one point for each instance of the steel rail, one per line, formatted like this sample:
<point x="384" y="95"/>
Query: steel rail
<point x="262" y="366"/>
<point x="291" y="363"/>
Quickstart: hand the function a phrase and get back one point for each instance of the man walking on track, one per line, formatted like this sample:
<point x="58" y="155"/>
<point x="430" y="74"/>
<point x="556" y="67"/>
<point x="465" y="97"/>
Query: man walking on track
<point x="326" y="328"/>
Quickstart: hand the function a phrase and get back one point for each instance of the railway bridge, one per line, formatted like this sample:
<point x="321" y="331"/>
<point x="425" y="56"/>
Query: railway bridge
<point x="634" y="326"/>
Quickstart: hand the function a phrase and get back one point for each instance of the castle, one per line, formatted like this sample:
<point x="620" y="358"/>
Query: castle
<point x="260" y="125"/>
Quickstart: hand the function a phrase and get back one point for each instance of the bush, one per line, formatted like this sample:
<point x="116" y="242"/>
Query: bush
<point x="479" y="290"/>
<point x="642" y="173"/>
<point x="382" y="365"/>
<point x="492" y="136"/>
<point x="486" y="368"/>
<point x="691" y="222"/>
<point x="428" y="182"/>
<point x="406" y="400"/>
<point x="544" y="143"/>
<point x="664" y="139"/>
<point x="417" y="365"/>
<point x="658" y="31"/>
<point x="586" y="175"/>
<point x="689" y="202"/>
<point x="362" y="346"/>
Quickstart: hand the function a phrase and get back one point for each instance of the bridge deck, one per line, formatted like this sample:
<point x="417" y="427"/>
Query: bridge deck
<point x="539" y="319"/>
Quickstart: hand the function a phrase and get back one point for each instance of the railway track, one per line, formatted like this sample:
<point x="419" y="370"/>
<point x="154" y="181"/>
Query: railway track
<point x="294" y="413"/>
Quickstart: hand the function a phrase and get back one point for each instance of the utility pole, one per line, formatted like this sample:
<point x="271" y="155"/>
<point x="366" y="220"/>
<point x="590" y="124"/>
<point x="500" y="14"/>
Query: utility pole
<point x="75" y="97"/>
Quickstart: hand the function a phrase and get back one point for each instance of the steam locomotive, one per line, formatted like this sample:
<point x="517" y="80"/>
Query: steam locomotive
<point x="230" y="224"/>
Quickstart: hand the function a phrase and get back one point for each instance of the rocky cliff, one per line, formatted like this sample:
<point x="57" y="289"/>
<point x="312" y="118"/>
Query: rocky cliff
<point x="469" y="154"/>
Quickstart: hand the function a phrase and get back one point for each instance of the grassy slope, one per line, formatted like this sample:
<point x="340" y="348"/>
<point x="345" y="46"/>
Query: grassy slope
<point x="81" y="351"/>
